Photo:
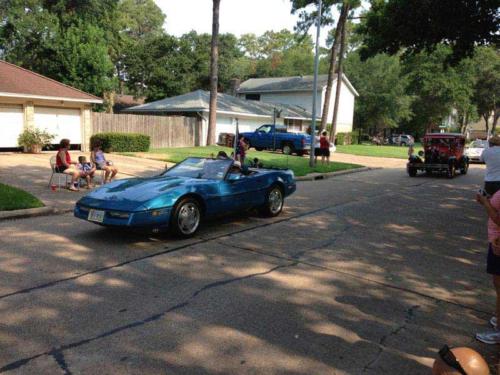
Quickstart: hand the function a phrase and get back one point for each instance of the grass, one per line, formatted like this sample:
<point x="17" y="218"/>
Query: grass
<point x="12" y="198"/>
<point x="299" y="165"/>
<point x="399" y="152"/>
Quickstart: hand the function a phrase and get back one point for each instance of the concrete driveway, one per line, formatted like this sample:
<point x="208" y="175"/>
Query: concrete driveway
<point x="364" y="273"/>
<point x="31" y="172"/>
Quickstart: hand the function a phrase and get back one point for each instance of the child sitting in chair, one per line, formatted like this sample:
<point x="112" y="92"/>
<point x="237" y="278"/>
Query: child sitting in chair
<point x="87" y="170"/>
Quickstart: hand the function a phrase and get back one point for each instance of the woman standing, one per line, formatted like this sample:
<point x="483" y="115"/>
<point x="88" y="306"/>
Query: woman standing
<point x="324" y="145"/>
<point x="65" y="165"/>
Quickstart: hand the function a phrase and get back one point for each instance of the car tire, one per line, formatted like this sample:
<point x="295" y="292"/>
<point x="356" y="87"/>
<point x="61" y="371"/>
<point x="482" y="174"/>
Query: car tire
<point x="451" y="171"/>
<point x="412" y="172"/>
<point x="275" y="199"/>
<point x="186" y="218"/>
<point x="464" y="169"/>
<point x="259" y="148"/>
<point x="287" y="149"/>
<point x="300" y="153"/>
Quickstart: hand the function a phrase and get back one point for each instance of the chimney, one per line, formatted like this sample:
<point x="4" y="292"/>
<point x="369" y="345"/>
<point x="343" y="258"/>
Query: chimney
<point x="234" y="86"/>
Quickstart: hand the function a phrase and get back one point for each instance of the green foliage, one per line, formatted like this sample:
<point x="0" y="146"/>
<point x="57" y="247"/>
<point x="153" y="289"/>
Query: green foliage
<point x="121" y="142"/>
<point x="350" y="138"/>
<point x="392" y="25"/>
<point x="382" y="100"/>
<point x="35" y="137"/>
<point x="12" y="198"/>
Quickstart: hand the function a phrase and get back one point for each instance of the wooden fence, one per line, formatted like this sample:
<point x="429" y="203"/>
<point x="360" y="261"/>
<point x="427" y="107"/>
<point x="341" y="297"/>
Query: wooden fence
<point x="165" y="131"/>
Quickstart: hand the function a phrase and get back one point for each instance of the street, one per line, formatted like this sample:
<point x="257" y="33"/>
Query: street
<point x="366" y="273"/>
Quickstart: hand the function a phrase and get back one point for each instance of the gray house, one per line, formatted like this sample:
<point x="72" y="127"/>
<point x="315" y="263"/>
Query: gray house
<point x="249" y="114"/>
<point x="298" y="91"/>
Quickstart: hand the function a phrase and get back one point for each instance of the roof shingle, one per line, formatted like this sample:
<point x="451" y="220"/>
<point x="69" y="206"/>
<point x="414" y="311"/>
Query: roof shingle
<point x="17" y="80"/>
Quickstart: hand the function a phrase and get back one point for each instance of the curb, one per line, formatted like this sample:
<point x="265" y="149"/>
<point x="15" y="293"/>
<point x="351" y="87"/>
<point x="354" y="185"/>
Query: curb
<point x="324" y="176"/>
<point x="32" y="212"/>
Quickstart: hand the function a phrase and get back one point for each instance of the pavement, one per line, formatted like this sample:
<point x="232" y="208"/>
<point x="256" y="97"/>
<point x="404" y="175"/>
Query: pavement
<point x="367" y="273"/>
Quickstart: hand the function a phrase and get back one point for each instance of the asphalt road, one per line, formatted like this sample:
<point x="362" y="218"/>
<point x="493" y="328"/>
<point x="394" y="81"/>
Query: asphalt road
<point x="369" y="273"/>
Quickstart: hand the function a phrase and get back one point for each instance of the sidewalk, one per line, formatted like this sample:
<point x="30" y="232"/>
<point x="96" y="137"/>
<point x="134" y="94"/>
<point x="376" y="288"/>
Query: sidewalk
<point x="31" y="172"/>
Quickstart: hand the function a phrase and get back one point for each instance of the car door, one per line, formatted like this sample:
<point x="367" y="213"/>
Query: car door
<point x="233" y="194"/>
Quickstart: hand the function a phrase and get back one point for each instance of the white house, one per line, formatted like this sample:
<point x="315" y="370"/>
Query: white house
<point x="298" y="91"/>
<point x="30" y="100"/>
<point x="249" y="114"/>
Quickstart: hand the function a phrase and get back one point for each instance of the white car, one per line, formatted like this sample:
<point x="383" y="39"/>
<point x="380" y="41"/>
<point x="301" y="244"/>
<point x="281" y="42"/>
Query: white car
<point x="475" y="150"/>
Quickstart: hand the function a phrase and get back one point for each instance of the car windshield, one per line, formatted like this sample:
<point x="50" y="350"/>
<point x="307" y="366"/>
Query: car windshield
<point x="478" y="144"/>
<point x="200" y="168"/>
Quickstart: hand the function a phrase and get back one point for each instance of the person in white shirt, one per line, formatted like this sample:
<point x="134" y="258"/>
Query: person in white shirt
<point x="491" y="157"/>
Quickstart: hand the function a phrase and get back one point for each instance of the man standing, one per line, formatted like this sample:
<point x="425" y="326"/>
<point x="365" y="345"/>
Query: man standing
<point x="491" y="157"/>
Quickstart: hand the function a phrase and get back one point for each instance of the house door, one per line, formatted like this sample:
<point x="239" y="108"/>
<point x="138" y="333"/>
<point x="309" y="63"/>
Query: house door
<point x="11" y="124"/>
<point x="61" y="122"/>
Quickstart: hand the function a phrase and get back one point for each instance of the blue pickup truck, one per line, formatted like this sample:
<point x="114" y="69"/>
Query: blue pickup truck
<point x="276" y="137"/>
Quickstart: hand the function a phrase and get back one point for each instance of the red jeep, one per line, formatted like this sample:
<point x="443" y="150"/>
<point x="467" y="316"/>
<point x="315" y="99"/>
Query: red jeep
<point x="443" y="153"/>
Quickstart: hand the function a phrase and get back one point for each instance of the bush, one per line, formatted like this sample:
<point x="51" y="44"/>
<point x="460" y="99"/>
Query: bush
<point x="122" y="142"/>
<point x="33" y="139"/>
<point x="351" y="138"/>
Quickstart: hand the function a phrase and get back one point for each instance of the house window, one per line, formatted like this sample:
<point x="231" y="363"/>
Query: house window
<point x="252" y="96"/>
<point x="293" y="124"/>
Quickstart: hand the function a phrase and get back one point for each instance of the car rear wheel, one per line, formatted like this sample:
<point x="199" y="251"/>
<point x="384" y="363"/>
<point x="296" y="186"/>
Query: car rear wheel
<point x="274" y="202"/>
<point x="464" y="168"/>
<point x="451" y="171"/>
<point x="186" y="218"/>
<point x="412" y="172"/>
<point x="287" y="149"/>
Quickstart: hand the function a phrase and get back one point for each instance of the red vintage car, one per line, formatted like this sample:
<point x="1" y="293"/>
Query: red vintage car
<point x="443" y="153"/>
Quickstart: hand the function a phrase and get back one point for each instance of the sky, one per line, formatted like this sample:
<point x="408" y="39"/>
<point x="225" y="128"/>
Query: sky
<point x="236" y="16"/>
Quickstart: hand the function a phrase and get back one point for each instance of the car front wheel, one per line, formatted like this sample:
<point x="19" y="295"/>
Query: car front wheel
<point x="274" y="202"/>
<point x="287" y="149"/>
<point x="186" y="218"/>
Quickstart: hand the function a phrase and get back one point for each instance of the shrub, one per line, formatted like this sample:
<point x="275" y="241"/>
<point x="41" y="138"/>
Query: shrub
<point x="122" y="142"/>
<point x="351" y="138"/>
<point x="33" y="139"/>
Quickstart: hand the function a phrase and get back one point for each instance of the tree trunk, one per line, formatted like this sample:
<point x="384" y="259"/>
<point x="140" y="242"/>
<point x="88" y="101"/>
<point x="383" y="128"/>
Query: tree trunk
<point x="486" y="124"/>
<point x="331" y="72"/>
<point x="214" y="70"/>
<point x="339" y="81"/>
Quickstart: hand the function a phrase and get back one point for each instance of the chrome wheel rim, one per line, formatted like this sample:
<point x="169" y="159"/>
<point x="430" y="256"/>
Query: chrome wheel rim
<point x="275" y="201"/>
<point x="188" y="218"/>
<point x="287" y="150"/>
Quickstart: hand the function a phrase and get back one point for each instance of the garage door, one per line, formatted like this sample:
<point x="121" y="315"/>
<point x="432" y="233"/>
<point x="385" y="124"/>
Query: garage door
<point x="62" y="122"/>
<point x="11" y="125"/>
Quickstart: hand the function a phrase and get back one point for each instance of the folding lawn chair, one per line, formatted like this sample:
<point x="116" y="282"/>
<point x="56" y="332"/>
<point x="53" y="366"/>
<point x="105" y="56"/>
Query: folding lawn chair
<point x="58" y="174"/>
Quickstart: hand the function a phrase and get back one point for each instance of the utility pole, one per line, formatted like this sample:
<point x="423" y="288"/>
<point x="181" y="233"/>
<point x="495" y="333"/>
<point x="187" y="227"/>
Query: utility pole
<point x="315" y="86"/>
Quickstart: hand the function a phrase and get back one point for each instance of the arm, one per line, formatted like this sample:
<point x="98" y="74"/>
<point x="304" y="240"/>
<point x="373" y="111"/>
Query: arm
<point x="92" y="157"/>
<point x="492" y="212"/>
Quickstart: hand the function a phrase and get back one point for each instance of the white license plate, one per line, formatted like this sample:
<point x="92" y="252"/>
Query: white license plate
<point x="96" y="215"/>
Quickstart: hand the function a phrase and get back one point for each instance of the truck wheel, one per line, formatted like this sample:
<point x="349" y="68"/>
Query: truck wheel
<point x="450" y="173"/>
<point x="287" y="149"/>
<point x="412" y="172"/>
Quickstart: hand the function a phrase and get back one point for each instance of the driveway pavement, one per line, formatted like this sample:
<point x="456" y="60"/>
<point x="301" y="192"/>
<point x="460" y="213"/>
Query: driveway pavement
<point x="369" y="273"/>
<point x="31" y="172"/>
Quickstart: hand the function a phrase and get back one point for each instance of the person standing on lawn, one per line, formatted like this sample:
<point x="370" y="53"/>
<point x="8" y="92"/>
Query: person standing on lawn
<point x="241" y="149"/>
<point x="491" y="157"/>
<point x="324" y="147"/>
<point x="492" y="207"/>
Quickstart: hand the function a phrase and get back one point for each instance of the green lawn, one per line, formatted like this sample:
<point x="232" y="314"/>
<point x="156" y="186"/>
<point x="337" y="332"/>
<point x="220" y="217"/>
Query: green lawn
<point x="299" y="165"/>
<point x="398" y="152"/>
<point x="12" y="198"/>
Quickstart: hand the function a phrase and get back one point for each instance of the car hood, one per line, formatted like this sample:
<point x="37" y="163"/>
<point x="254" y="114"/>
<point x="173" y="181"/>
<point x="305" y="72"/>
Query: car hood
<point x="132" y="194"/>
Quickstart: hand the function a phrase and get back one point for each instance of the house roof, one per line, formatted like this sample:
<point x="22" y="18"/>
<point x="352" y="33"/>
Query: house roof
<point x="280" y="84"/>
<point x="19" y="82"/>
<point x="198" y="101"/>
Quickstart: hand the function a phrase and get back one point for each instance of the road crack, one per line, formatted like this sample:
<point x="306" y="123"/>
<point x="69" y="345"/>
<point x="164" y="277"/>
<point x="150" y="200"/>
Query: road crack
<point x="410" y="315"/>
<point x="57" y="352"/>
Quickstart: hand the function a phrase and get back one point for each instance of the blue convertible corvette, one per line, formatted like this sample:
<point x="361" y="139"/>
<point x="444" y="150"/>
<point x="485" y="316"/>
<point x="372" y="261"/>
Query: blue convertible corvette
<point x="180" y="197"/>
